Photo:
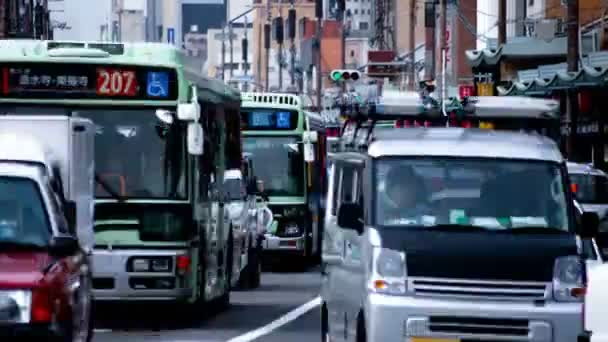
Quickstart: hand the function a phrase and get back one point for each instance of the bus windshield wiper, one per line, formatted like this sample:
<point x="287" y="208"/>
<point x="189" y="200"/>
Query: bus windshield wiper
<point x="108" y="188"/>
<point x="457" y="228"/>
<point x="535" y="230"/>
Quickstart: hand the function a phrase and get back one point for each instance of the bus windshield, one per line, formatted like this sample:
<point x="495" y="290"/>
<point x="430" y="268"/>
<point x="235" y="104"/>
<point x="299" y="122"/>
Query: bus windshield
<point x="279" y="162"/>
<point x="136" y="155"/>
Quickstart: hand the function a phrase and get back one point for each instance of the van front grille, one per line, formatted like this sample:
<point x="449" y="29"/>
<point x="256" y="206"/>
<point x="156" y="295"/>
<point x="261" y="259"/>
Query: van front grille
<point x="483" y="289"/>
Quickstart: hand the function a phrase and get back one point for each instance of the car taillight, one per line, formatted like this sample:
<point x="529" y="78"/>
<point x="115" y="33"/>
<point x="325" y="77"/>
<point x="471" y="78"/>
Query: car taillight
<point x="42" y="306"/>
<point x="182" y="263"/>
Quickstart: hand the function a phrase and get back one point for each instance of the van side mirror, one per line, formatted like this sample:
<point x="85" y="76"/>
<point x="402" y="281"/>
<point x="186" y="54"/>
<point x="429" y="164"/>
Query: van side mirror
<point x="63" y="246"/>
<point x="589" y="226"/>
<point x="195" y="139"/>
<point x="350" y="216"/>
<point x="70" y="215"/>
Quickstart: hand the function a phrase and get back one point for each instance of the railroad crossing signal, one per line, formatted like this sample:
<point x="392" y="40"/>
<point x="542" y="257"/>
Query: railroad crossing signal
<point x="341" y="75"/>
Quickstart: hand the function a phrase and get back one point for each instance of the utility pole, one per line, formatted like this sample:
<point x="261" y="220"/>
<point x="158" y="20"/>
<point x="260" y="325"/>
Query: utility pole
<point x="572" y="58"/>
<point x="291" y="18"/>
<point x="412" y="45"/>
<point x="342" y="19"/>
<point x="443" y="44"/>
<point x="245" y="52"/>
<point x="245" y="48"/>
<point x="231" y="50"/>
<point x="279" y="38"/>
<point x="502" y="22"/>
<point x="429" y="36"/>
<point x="319" y="15"/>
<point x="223" y="52"/>
<point x="267" y="43"/>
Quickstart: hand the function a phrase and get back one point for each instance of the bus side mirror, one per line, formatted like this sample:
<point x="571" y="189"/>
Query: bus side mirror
<point x="310" y="137"/>
<point x="196" y="138"/>
<point x="309" y="153"/>
<point x="189" y="111"/>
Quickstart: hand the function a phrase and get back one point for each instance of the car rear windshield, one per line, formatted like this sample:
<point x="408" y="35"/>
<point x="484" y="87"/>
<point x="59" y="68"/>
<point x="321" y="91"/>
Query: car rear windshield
<point x="23" y="218"/>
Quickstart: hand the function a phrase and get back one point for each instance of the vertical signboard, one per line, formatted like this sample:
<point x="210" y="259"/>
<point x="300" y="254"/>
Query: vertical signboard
<point x="171" y="35"/>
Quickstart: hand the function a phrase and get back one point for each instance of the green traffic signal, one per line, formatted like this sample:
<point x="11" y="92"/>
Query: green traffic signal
<point x="344" y="75"/>
<point x="336" y="75"/>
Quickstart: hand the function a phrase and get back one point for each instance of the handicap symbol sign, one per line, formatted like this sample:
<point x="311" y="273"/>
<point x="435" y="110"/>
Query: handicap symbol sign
<point x="283" y="119"/>
<point x="158" y="84"/>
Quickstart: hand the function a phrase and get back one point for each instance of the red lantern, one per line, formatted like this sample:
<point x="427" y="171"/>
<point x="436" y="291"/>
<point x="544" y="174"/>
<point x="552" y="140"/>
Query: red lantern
<point x="584" y="102"/>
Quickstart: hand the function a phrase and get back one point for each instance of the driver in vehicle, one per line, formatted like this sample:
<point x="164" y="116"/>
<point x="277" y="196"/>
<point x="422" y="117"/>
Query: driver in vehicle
<point x="405" y="196"/>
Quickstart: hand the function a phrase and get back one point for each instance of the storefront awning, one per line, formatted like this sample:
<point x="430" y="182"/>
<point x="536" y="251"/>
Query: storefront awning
<point x="518" y="48"/>
<point x="588" y="76"/>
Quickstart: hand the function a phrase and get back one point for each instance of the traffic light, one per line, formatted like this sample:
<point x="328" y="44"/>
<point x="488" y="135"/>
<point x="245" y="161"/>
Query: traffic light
<point x="344" y="75"/>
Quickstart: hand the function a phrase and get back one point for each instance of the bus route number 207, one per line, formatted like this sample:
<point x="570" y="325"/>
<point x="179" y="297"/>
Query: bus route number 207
<point x="115" y="82"/>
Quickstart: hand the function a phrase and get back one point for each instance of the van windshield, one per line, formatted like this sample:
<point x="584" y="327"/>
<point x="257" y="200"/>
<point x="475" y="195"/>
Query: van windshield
<point x="494" y="194"/>
<point x="23" y="218"/>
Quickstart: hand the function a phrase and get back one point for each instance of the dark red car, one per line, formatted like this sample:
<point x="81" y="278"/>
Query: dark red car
<point x="45" y="277"/>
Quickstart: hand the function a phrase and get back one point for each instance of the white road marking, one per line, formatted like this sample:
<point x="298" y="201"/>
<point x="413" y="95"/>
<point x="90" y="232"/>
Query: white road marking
<point x="102" y="331"/>
<point x="267" y="329"/>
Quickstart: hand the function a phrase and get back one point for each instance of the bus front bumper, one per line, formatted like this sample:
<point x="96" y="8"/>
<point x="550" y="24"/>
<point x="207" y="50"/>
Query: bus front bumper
<point x="274" y="243"/>
<point x="112" y="282"/>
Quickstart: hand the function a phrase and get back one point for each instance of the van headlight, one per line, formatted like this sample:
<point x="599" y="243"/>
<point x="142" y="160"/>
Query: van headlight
<point x="388" y="272"/>
<point x="15" y="306"/>
<point x="568" y="284"/>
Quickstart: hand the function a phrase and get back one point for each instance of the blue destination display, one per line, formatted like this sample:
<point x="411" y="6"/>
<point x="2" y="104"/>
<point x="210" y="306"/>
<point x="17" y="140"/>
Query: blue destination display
<point x="269" y="119"/>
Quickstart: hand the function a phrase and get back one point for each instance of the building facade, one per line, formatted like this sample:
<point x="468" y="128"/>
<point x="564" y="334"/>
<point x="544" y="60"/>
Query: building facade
<point x="265" y="11"/>
<point x="25" y="19"/>
<point x="232" y="53"/>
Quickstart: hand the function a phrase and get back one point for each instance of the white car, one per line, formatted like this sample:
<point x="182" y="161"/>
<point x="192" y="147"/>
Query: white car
<point x="596" y="305"/>
<point x="249" y="221"/>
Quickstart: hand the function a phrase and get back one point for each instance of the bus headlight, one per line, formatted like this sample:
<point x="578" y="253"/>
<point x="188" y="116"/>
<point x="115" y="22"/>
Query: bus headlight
<point x="292" y="228"/>
<point x="140" y="265"/>
<point x="150" y="264"/>
<point x="389" y="272"/>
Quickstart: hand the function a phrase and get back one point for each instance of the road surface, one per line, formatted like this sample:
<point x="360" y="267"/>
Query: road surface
<point x="284" y="308"/>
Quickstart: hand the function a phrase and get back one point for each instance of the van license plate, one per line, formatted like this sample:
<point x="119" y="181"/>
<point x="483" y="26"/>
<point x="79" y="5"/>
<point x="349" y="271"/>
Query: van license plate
<point x="430" y="339"/>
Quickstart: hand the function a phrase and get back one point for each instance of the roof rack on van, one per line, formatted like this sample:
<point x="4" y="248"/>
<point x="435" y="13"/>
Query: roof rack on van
<point x="527" y="112"/>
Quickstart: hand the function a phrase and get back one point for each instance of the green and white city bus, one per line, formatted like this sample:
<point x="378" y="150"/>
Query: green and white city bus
<point x="287" y="145"/>
<point x="165" y="135"/>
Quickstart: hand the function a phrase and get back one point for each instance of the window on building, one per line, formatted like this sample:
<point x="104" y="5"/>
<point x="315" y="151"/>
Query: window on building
<point x="530" y="2"/>
<point x="352" y="53"/>
<point x="363" y="26"/>
<point x="356" y="11"/>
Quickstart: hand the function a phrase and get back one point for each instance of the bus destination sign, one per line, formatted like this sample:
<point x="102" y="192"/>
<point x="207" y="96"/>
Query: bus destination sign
<point x="86" y="81"/>
<point x="268" y="119"/>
